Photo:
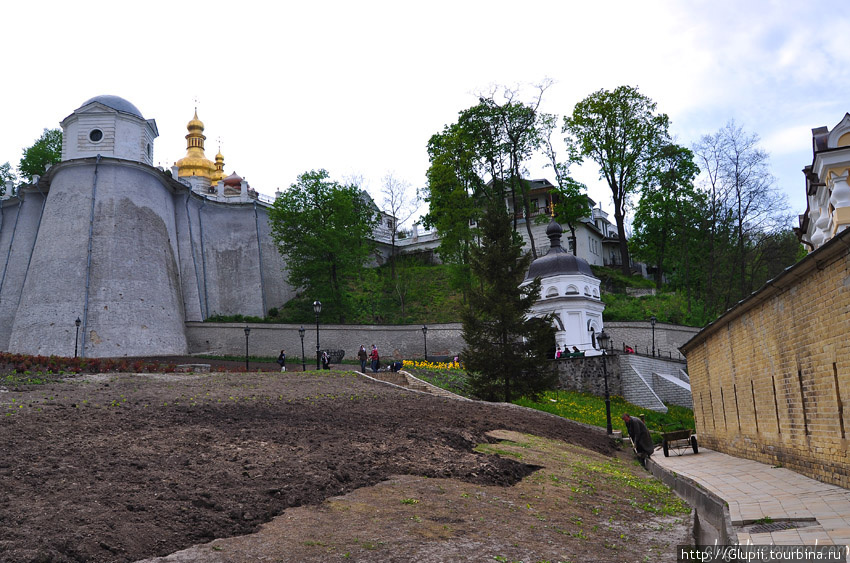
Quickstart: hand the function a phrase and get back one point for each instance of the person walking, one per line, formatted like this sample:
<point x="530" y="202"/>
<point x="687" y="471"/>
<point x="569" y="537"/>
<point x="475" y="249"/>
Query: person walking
<point x="326" y="361"/>
<point x="375" y="359"/>
<point x="362" y="355"/>
<point x="281" y="360"/>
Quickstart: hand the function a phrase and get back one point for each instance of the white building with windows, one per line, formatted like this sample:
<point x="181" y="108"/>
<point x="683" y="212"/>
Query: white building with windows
<point x="595" y="236"/>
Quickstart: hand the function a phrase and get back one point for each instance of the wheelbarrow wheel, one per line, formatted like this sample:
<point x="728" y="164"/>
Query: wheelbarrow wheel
<point x="694" y="444"/>
<point x="666" y="447"/>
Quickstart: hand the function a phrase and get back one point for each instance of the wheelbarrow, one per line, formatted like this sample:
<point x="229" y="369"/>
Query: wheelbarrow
<point x="679" y="441"/>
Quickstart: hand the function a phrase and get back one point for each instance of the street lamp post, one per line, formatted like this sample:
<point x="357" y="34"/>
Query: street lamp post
<point x="301" y="332"/>
<point x="78" y="322"/>
<point x="317" y="308"/>
<point x="652" y="320"/>
<point x="247" y="332"/>
<point x="603" y="339"/>
<point x="425" y="337"/>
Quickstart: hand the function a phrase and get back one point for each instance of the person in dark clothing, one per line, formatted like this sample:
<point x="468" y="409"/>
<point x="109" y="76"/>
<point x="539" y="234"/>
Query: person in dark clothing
<point x="641" y="439"/>
<point x="363" y="356"/>
<point x="282" y="360"/>
<point x="326" y="361"/>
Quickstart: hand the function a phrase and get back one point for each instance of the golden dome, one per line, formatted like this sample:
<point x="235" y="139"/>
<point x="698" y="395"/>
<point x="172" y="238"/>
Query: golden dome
<point x="219" y="169"/>
<point x="195" y="163"/>
<point x="195" y="123"/>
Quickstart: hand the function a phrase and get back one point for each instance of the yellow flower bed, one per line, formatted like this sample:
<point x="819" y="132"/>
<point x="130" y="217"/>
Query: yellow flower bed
<point x="414" y="364"/>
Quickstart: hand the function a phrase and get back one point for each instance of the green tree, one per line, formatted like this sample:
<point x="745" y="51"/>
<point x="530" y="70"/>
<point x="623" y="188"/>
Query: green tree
<point x="667" y="210"/>
<point x="621" y="133"/>
<point x="476" y="160"/>
<point x="45" y="151"/>
<point x="506" y="352"/>
<point x="6" y="175"/>
<point x="323" y="230"/>
<point x="452" y="193"/>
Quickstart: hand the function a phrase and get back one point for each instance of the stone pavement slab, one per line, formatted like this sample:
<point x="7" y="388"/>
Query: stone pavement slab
<point x="764" y="499"/>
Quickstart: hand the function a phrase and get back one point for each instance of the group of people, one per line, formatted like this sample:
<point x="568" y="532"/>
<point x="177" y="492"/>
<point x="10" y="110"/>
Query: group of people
<point x="372" y="357"/>
<point x="281" y="360"/>
<point x="566" y="352"/>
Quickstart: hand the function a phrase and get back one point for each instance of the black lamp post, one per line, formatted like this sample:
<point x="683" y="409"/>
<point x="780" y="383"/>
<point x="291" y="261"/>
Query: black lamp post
<point x="652" y="320"/>
<point x="78" y="322"/>
<point x="301" y="332"/>
<point x="247" y="332"/>
<point x="603" y="339"/>
<point x="425" y="337"/>
<point x="317" y="308"/>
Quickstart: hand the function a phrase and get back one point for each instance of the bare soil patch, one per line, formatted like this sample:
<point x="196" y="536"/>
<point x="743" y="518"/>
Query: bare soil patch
<point x="124" y="467"/>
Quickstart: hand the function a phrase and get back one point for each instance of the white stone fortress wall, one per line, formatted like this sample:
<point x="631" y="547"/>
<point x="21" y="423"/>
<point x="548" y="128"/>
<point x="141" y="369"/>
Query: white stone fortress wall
<point x="127" y="291"/>
<point x="147" y="275"/>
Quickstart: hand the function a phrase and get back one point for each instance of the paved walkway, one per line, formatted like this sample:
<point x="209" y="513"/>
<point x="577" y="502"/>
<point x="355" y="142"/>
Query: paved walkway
<point x="755" y="491"/>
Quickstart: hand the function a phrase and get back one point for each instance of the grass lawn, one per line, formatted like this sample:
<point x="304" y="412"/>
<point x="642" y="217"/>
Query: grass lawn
<point x="581" y="407"/>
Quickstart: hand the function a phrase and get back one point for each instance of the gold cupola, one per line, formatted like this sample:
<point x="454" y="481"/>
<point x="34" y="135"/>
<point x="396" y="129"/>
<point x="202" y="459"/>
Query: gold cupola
<point x="195" y="163"/>
<point x="218" y="174"/>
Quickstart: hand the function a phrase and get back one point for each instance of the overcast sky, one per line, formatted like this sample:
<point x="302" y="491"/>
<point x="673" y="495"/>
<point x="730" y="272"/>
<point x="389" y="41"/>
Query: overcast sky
<point x="358" y="88"/>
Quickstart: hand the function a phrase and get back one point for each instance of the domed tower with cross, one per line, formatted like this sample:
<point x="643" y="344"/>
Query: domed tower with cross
<point x="569" y="292"/>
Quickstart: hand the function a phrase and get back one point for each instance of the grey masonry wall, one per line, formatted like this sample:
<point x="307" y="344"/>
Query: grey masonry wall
<point x="127" y="295"/>
<point x="160" y="256"/>
<point x="401" y="341"/>
<point x="638" y="335"/>
<point x="19" y="219"/>
<point x="586" y="375"/>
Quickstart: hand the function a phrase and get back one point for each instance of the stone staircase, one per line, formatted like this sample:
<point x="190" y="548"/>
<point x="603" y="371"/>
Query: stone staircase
<point x="650" y="382"/>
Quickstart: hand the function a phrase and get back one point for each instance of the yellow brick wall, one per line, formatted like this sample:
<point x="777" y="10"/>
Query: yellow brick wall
<point x="771" y="380"/>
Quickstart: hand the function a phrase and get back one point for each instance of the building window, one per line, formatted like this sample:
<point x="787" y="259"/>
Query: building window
<point x="95" y="135"/>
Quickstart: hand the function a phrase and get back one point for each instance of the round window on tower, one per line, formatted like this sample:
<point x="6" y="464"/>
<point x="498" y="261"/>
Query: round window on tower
<point x="95" y="135"/>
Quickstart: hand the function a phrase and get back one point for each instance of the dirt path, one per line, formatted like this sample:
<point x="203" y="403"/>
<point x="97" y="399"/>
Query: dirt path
<point x="121" y="468"/>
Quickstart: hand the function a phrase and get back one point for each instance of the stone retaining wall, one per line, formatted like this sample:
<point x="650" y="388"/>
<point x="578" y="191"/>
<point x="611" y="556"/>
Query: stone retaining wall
<point x="638" y="335"/>
<point x="396" y="341"/>
<point x="586" y="376"/>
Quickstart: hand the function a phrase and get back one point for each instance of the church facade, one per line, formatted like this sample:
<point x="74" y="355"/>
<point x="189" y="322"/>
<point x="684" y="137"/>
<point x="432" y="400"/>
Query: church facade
<point x="132" y="251"/>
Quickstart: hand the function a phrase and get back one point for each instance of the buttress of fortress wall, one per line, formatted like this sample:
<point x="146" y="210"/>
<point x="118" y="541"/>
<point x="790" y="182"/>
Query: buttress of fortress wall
<point x="277" y="289"/>
<point x="771" y="383"/>
<point x="191" y="263"/>
<point x="134" y="300"/>
<point x="233" y="284"/>
<point x="224" y="269"/>
<point x="19" y="218"/>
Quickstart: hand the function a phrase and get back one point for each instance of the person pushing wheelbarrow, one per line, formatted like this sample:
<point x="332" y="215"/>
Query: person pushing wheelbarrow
<point x="639" y="435"/>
